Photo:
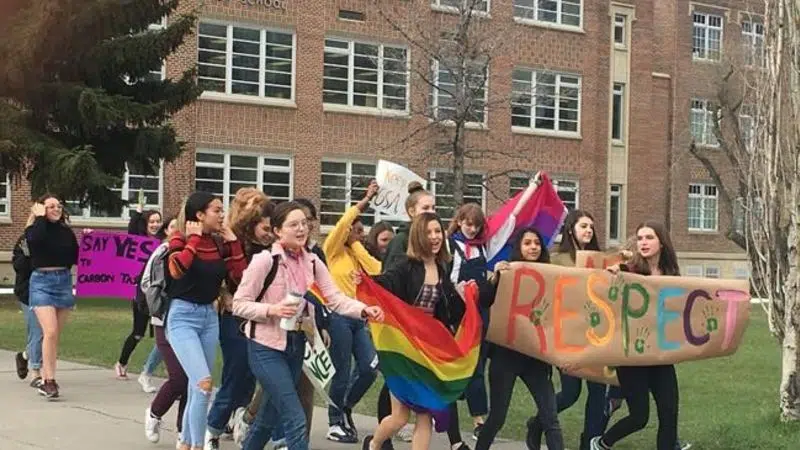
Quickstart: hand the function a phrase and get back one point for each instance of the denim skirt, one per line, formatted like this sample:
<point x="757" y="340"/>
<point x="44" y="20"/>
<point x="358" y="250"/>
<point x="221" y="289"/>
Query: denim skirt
<point x="52" y="288"/>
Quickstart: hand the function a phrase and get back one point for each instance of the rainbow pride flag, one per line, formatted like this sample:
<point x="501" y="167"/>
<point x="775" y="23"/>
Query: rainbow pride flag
<point x="424" y="365"/>
<point x="314" y="295"/>
<point x="544" y="210"/>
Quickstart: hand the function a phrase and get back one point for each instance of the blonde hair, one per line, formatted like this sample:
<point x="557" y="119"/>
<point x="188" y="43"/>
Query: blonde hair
<point x="246" y="211"/>
<point x="31" y="219"/>
<point x="415" y="193"/>
<point x="180" y="219"/>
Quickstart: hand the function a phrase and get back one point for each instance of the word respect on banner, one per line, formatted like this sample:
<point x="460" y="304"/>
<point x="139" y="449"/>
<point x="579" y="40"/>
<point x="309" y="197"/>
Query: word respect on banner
<point x="109" y="263"/>
<point x="592" y="318"/>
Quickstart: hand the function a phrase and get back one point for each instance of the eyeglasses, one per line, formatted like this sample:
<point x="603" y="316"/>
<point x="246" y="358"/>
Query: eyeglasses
<point x="296" y="225"/>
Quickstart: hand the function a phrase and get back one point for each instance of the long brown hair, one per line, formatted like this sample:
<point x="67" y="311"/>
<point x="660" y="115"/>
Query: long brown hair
<point x="64" y="220"/>
<point x="568" y="242"/>
<point x="248" y="208"/>
<point x="667" y="259"/>
<point x="419" y="247"/>
<point x="470" y="212"/>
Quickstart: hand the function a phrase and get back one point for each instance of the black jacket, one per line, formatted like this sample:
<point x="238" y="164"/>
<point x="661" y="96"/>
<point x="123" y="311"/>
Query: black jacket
<point x="21" y="260"/>
<point x="396" y="251"/>
<point x="405" y="280"/>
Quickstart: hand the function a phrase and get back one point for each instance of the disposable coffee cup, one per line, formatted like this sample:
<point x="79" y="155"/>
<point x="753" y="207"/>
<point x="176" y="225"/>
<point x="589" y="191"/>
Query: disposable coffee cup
<point x="290" y="323"/>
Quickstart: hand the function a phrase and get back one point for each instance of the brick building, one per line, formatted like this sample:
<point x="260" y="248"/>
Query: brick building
<point x="303" y="97"/>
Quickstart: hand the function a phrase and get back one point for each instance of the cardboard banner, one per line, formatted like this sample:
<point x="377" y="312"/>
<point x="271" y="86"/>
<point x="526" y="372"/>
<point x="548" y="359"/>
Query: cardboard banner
<point x="597" y="260"/>
<point x="109" y="264"/>
<point x="393" y="181"/>
<point x="590" y="318"/>
<point x="318" y="367"/>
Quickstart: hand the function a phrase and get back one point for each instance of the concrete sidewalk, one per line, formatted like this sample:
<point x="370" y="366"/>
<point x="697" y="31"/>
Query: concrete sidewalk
<point x="98" y="412"/>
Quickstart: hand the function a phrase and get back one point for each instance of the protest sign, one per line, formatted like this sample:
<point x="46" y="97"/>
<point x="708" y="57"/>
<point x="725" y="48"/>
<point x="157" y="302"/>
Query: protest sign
<point x="597" y="260"/>
<point x="393" y="181"/>
<point x="318" y="367"/>
<point x="592" y="318"/>
<point x="109" y="263"/>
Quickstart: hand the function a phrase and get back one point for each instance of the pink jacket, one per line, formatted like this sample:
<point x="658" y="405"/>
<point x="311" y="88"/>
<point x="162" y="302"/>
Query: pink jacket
<point x="245" y="304"/>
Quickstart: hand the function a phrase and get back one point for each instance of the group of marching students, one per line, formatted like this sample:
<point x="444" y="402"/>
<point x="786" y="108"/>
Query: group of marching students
<point x="238" y="281"/>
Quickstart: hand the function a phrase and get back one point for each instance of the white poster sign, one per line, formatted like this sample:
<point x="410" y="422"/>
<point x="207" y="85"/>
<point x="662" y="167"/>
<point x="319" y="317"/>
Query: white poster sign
<point x="318" y="367"/>
<point x="393" y="181"/>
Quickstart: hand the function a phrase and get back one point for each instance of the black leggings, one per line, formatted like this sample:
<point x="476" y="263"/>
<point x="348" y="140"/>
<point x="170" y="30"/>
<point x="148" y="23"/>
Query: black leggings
<point x="636" y="384"/>
<point x="453" y="428"/>
<point x="504" y="368"/>
<point x="140" y="322"/>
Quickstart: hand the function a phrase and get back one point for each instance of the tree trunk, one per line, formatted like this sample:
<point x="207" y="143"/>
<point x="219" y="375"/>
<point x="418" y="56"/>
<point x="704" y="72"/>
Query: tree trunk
<point x="458" y="167"/>
<point x="790" y="379"/>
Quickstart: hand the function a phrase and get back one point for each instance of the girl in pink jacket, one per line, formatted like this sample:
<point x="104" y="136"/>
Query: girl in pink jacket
<point x="271" y="298"/>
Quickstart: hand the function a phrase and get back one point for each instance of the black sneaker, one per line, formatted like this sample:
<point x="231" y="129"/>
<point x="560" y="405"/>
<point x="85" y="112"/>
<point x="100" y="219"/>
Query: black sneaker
<point x="387" y="445"/>
<point x="533" y="439"/>
<point x="49" y="389"/>
<point x="22" y="366"/>
<point x="477" y="431"/>
<point x="368" y="441"/>
<point x="349" y="424"/>
<point x="36" y="383"/>
<point x="461" y="446"/>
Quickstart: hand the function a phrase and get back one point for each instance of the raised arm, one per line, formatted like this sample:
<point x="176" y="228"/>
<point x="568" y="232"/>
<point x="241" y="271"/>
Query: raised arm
<point x="245" y="301"/>
<point x="338" y="237"/>
<point x="368" y="262"/>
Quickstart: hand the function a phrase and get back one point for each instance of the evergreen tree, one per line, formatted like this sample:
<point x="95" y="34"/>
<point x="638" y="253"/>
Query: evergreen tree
<point x="77" y="102"/>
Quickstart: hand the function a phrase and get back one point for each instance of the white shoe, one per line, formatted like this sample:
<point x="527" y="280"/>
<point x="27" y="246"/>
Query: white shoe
<point x="406" y="433"/>
<point x="178" y="443"/>
<point x="211" y="441"/>
<point x="279" y="445"/>
<point x="147" y="383"/>
<point x="594" y="444"/>
<point x="152" y="427"/>
<point x="240" y="427"/>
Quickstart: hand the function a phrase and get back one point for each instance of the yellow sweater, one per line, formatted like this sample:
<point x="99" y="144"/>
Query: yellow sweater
<point x="343" y="259"/>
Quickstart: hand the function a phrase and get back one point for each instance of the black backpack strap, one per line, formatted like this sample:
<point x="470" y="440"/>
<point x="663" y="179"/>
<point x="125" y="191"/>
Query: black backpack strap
<point x="267" y="282"/>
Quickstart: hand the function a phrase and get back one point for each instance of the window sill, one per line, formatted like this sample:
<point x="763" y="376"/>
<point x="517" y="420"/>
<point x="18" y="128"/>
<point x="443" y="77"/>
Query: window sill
<point x="82" y="222"/>
<point x="695" y="232"/>
<point x="553" y="134"/>
<point x="706" y="146"/>
<point x="705" y="60"/>
<point x="6" y="220"/>
<point x="476" y="126"/>
<point x="617" y="144"/>
<point x="454" y="10"/>
<point x="549" y="25"/>
<point x="360" y="111"/>
<point x="620" y="47"/>
<point x="246" y="99"/>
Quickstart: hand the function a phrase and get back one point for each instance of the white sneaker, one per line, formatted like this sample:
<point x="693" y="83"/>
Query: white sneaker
<point x="406" y="433"/>
<point x="337" y="433"/>
<point x="594" y="444"/>
<point x="240" y="427"/>
<point x="152" y="427"/>
<point x="147" y="383"/>
<point x="280" y="444"/>
<point x="211" y="441"/>
<point x="178" y="443"/>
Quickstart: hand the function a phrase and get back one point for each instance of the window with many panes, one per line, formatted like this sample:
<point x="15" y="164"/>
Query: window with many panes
<point x="562" y="12"/>
<point x="707" y="36"/>
<point x="567" y="190"/>
<point x="617" y="112"/>
<point x="747" y="125"/>
<point x="620" y="24"/>
<point x="134" y="183"/>
<point x="447" y="84"/>
<point x="249" y="61"/>
<point x="223" y="173"/>
<point x="463" y="5"/>
<point x="441" y="186"/>
<point x="365" y="75"/>
<point x="545" y="101"/>
<point x="342" y="185"/>
<point x="702" y="214"/>
<point x="753" y="43"/>
<point x="702" y="120"/>
<point x="5" y="195"/>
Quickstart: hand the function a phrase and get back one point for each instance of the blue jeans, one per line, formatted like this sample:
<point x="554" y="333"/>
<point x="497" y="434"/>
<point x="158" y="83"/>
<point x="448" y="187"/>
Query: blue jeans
<point x="193" y="331"/>
<point x="350" y="338"/>
<point x="278" y="372"/>
<point x="34" y="335"/>
<point x="153" y="360"/>
<point x="238" y="382"/>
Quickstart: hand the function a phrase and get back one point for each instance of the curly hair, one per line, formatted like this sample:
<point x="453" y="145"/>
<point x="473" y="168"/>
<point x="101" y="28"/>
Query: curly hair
<point x="247" y="209"/>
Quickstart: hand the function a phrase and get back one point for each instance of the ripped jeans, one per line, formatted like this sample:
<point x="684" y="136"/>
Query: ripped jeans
<point x="193" y="332"/>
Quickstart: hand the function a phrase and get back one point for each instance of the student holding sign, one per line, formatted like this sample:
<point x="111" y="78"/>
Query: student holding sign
<point x="197" y="267"/>
<point x="655" y="256"/>
<point x="271" y="298"/>
<point x="54" y="250"/>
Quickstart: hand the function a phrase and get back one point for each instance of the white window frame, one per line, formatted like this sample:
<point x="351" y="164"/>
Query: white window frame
<point x="694" y="270"/>
<point x="226" y="166"/>
<point x="348" y="187"/>
<point x="432" y="189"/>
<point x="437" y="5"/>
<point x="615" y="193"/>
<point x="5" y="199"/>
<point x="563" y="184"/>
<point x="699" y="110"/>
<point x="434" y="101"/>
<point x="750" y="42"/>
<point x="741" y="272"/>
<point x="618" y="91"/>
<point x="86" y="212"/>
<point x="704" y="196"/>
<point x="747" y="126"/>
<point x="260" y="98"/>
<point x="707" y="28"/>
<point x="532" y="80"/>
<point x="350" y="52"/>
<point x="620" y="23"/>
<point x="559" y="23"/>
<point x="712" y="271"/>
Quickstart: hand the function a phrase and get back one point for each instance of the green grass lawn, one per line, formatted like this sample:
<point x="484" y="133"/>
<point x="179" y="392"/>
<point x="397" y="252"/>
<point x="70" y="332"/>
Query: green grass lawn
<point x="726" y="403"/>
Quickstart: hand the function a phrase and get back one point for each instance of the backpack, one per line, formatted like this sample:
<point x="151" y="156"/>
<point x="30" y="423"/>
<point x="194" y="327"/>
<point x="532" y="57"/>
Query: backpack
<point x="153" y="283"/>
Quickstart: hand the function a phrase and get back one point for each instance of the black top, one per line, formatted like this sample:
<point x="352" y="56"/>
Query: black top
<point x="396" y="251"/>
<point x="21" y="260"/>
<point x="52" y="244"/>
<point x="405" y="280"/>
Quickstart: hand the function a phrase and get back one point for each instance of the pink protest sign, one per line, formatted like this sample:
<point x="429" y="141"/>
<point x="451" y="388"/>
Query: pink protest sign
<point x="109" y="263"/>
